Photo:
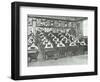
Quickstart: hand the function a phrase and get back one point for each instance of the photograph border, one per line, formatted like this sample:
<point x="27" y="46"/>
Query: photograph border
<point x="15" y="39"/>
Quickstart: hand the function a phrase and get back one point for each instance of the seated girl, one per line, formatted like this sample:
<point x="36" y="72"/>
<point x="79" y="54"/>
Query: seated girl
<point x="54" y="39"/>
<point x="72" y="44"/>
<point x="33" y="46"/>
<point x="60" y="44"/>
<point x="64" y="39"/>
<point x="61" y="36"/>
<point x="44" y="38"/>
<point x="49" y="45"/>
<point x="82" y="43"/>
<point x="67" y="35"/>
<point x="59" y="33"/>
<point x="68" y="41"/>
<point x="45" y="41"/>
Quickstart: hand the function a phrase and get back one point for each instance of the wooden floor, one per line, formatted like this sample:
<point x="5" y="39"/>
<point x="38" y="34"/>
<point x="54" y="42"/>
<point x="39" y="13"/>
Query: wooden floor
<point x="69" y="60"/>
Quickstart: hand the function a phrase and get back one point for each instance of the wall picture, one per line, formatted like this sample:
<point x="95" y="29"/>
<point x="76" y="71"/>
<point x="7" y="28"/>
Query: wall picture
<point x="53" y="40"/>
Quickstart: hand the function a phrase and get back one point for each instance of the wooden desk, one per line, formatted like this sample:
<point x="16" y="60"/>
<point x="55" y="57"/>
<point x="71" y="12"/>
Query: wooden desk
<point x="61" y="51"/>
<point x="49" y="53"/>
<point x="32" y="54"/>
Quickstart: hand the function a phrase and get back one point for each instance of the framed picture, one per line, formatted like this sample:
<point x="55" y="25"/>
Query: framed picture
<point x="53" y="40"/>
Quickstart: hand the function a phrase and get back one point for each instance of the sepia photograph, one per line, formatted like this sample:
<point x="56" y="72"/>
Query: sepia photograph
<point x="57" y="40"/>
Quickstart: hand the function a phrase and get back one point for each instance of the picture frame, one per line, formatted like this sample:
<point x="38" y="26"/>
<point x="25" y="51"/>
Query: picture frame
<point x="20" y="26"/>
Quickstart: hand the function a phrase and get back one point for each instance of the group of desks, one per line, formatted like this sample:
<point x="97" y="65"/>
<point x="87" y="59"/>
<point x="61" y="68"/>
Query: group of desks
<point x="55" y="52"/>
